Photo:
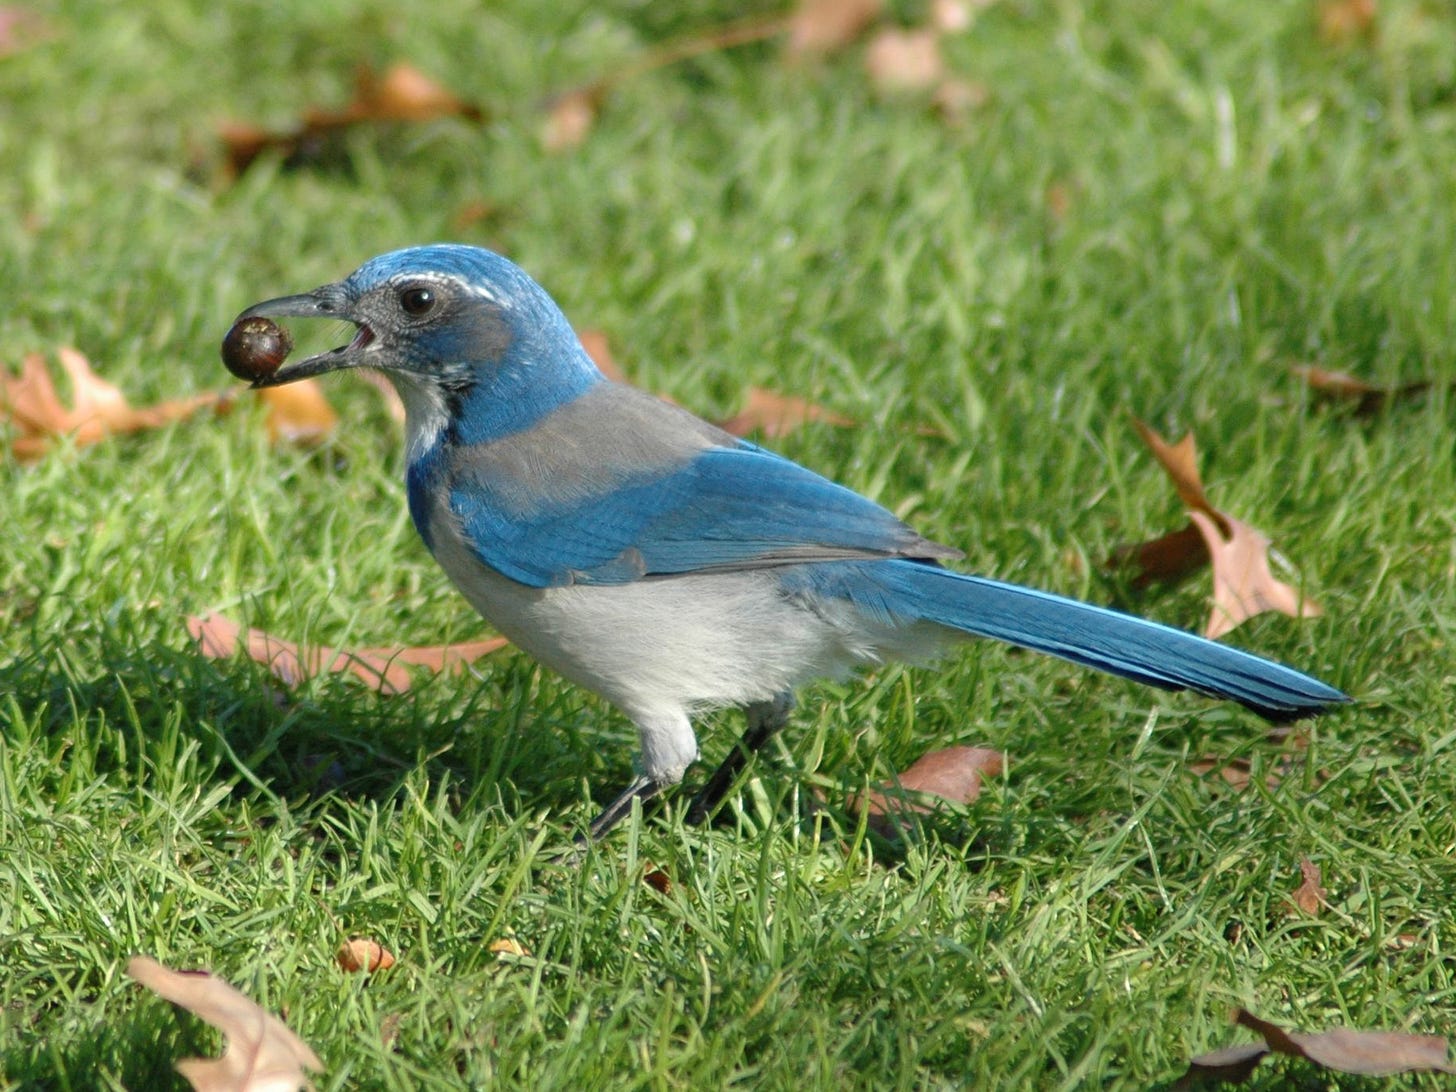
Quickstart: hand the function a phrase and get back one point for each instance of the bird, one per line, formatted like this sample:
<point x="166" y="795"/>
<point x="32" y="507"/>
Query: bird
<point x="665" y="564"/>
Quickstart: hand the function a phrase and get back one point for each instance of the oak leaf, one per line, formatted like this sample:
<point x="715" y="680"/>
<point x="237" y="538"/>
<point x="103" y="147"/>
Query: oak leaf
<point x="382" y="669"/>
<point x="1367" y="397"/>
<point x="363" y="954"/>
<point x="1309" y="896"/>
<point x="262" y="1053"/>
<point x="904" y="60"/>
<point x="777" y="415"/>
<point x="1343" y="1050"/>
<point x="954" y="774"/>
<point x="1243" y="584"/>
<point x="401" y="94"/>
<point x="821" y="27"/>
<point x="298" y="413"/>
<point x="31" y="405"/>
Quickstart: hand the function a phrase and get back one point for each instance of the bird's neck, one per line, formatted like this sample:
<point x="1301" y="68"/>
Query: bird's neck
<point x="516" y="394"/>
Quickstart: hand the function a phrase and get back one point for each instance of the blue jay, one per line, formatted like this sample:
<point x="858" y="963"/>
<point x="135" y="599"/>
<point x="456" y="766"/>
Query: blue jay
<point x="663" y="563"/>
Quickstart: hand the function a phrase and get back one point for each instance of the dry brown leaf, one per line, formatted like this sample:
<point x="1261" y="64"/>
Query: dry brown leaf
<point x="379" y="668"/>
<point x="1166" y="559"/>
<point x="958" y="99"/>
<point x="298" y="413"/>
<point x="20" y="29"/>
<point x="820" y="27"/>
<point x="1343" y="387"/>
<point x="1309" y="896"/>
<point x="1342" y="22"/>
<point x="401" y="94"/>
<point x="262" y="1053"/>
<point x="31" y="405"/>
<point x="569" y="119"/>
<point x="904" y="60"/>
<point x="363" y="954"/>
<point x="1243" y="584"/>
<point x="1230" y="1065"/>
<point x="954" y="774"/>
<point x="1348" y="1050"/>
<point x="1236" y="773"/>
<point x="392" y="404"/>
<point x="595" y="344"/>
<point x="777" y="415"/>
<point x="1180" y="460"/>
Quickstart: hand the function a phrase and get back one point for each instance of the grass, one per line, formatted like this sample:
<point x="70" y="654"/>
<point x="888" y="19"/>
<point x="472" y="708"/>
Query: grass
<point x="1239" y="196"/>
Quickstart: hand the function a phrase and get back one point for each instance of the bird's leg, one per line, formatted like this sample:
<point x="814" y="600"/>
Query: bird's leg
<point x="764" y="719"/>
<point x="642" y="788"/>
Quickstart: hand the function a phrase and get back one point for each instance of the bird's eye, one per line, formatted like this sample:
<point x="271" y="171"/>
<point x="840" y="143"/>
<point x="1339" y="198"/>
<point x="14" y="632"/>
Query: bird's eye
<point x="417" y="301"/>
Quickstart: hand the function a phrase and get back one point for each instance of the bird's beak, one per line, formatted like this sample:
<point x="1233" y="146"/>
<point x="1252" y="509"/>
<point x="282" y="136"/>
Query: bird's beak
<point x="329" y="301"/>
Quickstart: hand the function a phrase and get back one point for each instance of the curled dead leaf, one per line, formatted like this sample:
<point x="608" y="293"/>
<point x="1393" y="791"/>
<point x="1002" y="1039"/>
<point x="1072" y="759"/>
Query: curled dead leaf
<point x="298" y="413"/>
<point x="1243" y="584"/>
<point x="31" y="405"/>
<point x="821" y="27"/>
<point x="953" y="773"/>
<point x="569" y="119"/>
<point x="363" y="954"/>
<point x="379" y="668"/>
<point x="1309" y="896"/>
<point x="904" y="60"/>
<point x="1344" y="22"/>
<point x="776" y="415"/>
<point x="1367" y="398"/>
<point x="401" y="94"/>
<point x="596" y="346"/>
<point x="262" y="1053"/>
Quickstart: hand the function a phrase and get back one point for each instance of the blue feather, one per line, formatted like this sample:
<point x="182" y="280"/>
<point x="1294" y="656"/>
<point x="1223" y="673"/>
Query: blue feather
<point x="902" y="592"/>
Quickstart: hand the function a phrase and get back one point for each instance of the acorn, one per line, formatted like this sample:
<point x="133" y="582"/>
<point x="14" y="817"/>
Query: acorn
<point x="255" y="347"/>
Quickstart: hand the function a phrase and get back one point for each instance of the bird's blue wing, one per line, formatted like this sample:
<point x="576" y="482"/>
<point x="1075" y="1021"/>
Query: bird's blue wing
<point x="727" y="507"/>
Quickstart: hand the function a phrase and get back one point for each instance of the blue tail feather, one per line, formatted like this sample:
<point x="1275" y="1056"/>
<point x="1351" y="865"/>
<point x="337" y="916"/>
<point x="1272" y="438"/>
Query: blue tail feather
<point x="1121" y="644"/>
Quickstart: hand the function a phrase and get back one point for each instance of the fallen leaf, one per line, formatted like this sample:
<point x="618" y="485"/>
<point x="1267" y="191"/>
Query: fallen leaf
<point x="904" y="60"/>
<point x="298" y="413"/>
<point x="382" y="669"/>
<point x="958" y="99"/>
<point x="401" y="94"/>
<point x="262" y="1053"/>
<point x="777" y="415"/>
<point x="1230" y="1065"/>
<point x="20" y="29"/>
<point x="569" y="119"/>
<point x="1309" y="896"/>
<point x="389" y="1029"/>
<point x="1165" y="559"/>
<point x="1347" y="1050"/>
<point x="362" y="954"/>
<point x="30" y="403"/>
<point x="1180" y="460"/>
<point x="1342" y="22"/>
<point x="508" y="946"/>
<point x="1343" y="387"/>
<point x="595" y="344"/>
<point x="953" y="774"/>
<point x="821" y="27"/>
<point x="392" y="404"/>
<point x="1243" y="584"/>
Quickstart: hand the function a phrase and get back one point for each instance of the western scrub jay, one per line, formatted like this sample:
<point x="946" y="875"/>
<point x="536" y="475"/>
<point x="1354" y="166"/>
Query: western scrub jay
<point x="659" y="561"/>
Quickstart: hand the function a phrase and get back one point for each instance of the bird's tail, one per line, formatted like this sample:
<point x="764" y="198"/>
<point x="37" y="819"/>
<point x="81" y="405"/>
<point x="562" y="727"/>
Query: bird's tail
<point x="1148" y="652"/>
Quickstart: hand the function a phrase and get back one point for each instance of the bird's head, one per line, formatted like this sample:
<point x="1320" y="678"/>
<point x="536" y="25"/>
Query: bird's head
<point x="441" y="322"/>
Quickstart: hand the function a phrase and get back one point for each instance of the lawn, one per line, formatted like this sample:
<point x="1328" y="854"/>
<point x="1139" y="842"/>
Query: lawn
<point x="1158" y="211"/>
